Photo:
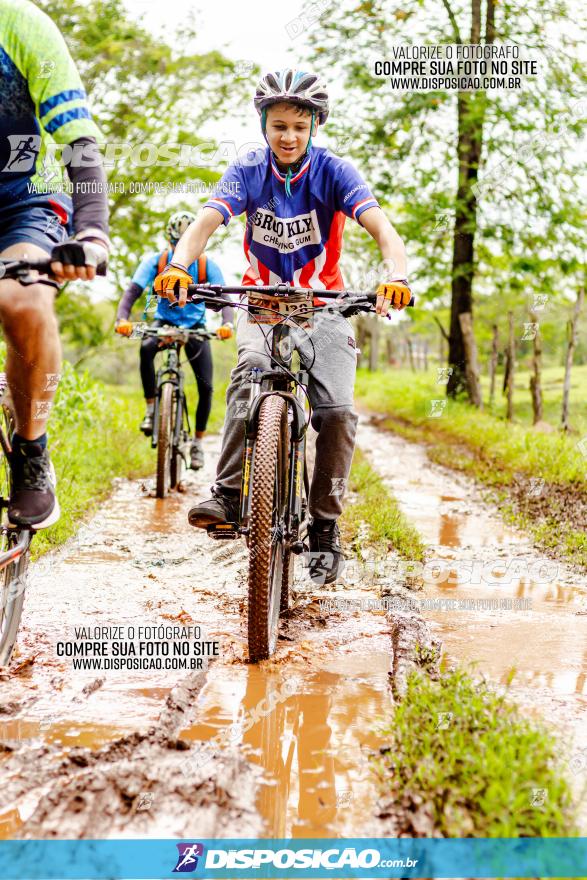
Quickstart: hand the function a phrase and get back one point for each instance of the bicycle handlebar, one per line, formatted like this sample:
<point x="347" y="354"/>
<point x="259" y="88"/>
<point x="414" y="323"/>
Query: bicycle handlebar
<point x="350" y="299"/>
<point x="176" y="333"/>
<point x="21" y="268"/>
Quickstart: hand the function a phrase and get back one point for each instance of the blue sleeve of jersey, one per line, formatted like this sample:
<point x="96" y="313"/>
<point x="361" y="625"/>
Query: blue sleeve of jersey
<point x="147" y="271"/>
<point x="230" y="194"/>
<point x="352" y="194"/>
<point x="214" y="272"/>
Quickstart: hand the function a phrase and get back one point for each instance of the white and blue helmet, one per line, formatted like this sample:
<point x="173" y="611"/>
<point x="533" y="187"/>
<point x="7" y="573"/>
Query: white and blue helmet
<point x="295" y="87"/>
<point x="177" y="225"/>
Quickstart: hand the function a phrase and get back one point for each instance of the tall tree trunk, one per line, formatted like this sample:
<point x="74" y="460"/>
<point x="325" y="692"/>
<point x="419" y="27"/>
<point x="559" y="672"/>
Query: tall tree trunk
<point x="535" y="378"/>
<point x="390" y="349"/>
<point x="470" y="115"/>
<point x="440" y="347"/>
<point x="361" y="340"/>
<point x="472" y="366"/>
<point x="572" y="328"/>
<point x="510" y="368"/>
<point x="373" y="343"/>
<point x="411" y="354"/>
<point x="493" y="364"/>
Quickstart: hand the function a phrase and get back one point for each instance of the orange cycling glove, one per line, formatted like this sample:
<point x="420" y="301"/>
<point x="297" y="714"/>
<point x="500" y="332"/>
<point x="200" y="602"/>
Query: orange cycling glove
<point x="173" y="278"/>
<point x="393" y="293"/>
<point x="224" y="332"/>
<point x="123" y="327"/>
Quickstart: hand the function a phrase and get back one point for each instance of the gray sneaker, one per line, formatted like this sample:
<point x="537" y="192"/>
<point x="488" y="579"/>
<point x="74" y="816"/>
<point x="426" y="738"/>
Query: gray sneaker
<point x="196" y="455"/>
<point x="147" y="424"/>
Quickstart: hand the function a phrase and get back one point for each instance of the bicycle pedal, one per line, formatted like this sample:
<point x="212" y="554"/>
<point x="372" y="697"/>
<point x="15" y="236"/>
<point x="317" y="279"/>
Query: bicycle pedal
<point x="223" y="531"/>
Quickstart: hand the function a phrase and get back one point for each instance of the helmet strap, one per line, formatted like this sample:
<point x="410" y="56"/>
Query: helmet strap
<point x="309" y="144"/>
<point x="289" y="173"/>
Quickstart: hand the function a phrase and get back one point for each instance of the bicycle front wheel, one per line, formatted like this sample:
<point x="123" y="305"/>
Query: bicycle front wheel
<point x="267" y="521"/>
<point x="164" y="440"/>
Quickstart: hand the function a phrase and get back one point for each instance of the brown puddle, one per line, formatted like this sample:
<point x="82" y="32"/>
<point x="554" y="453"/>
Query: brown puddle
<point x="313" y="746"/>
<point x="544" y="639"/>
<point x="62" y="733"/>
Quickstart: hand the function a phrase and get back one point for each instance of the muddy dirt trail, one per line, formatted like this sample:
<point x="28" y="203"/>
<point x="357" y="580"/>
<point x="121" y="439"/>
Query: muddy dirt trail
<point x="169" y="753"/>
<point x="280" y="749"/>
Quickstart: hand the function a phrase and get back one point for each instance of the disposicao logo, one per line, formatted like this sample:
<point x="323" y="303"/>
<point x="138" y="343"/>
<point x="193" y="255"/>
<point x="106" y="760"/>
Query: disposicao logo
<point x="187" y="860"/>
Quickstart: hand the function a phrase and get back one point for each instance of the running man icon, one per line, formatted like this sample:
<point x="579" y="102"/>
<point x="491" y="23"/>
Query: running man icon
<point x="187" y="860"/>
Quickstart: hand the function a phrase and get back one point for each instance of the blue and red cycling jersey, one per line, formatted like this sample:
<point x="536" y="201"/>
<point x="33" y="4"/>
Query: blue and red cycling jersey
<point x="297" y="238"/>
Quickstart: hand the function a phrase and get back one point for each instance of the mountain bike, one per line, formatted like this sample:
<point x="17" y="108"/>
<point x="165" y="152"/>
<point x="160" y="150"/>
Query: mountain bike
<point x="15" y="541"/>
<point x="273" y="515"/>
<point x="171" y="423"/>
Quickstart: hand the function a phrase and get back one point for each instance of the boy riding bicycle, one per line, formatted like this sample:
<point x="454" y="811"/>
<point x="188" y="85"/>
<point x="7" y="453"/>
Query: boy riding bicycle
<point x="296" y="197"/>
<point x="192" y="316"/>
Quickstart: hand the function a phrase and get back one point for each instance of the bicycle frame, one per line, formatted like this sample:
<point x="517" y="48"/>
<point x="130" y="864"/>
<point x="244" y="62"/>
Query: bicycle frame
<point x="171" y="374"/>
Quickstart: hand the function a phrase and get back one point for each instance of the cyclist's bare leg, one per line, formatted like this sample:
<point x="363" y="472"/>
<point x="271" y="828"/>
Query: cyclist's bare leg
<point x="33" y="359"/>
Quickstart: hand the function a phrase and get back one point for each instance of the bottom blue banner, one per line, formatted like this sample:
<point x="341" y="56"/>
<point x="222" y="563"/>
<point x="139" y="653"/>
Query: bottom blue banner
<point x="314" y="858"/>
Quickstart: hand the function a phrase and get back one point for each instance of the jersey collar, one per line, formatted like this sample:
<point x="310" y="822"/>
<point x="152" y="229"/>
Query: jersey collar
<point x="300" y="173"/>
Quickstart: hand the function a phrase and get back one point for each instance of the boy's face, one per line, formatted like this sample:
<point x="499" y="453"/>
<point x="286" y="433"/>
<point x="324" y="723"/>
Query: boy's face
<point x="288" y="131"/>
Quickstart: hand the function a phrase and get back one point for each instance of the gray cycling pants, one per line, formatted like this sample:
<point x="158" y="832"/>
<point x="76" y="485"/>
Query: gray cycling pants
<point x="328" y="352"/>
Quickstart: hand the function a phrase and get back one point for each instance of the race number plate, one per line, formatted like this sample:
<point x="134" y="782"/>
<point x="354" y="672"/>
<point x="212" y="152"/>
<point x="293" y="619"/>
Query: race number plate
<point x="267" y="309"/>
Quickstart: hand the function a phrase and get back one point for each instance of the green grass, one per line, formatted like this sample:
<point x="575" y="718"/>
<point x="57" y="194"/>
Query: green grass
<point x="93" y="438"/>
<point x="464" y="755"/>
<point x="500" y="448"/>
<point x="552" y="391"/>
<point x="490" y="449"/>
<point x="388" y="527"/>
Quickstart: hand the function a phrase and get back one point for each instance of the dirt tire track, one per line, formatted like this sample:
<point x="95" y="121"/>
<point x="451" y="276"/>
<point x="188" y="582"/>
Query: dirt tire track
<point x="139" y="782"/>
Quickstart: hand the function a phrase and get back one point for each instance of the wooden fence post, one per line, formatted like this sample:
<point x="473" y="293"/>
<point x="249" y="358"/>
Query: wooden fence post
<point x="508" y="379"/>
<point x="535" y="383"/>
<point x="493" y="363"/>
<point x="572" y="330"/>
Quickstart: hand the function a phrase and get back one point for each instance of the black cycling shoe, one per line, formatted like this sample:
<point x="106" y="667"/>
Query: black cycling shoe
<point x="32" y="499"/>
<point x="146" y="425"/>
<point x="221" y="508"/>
<point x="325" y="559"/>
